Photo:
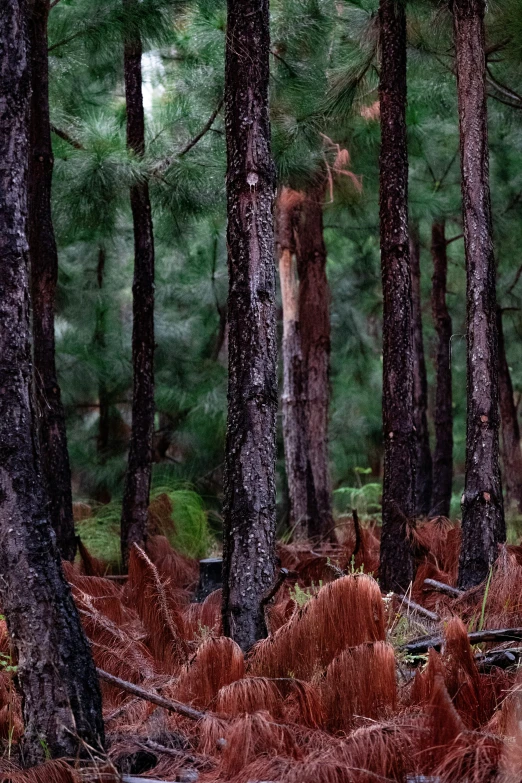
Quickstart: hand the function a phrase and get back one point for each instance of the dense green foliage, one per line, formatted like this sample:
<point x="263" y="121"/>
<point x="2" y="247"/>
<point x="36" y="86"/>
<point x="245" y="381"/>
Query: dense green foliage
<point x="324" y="90"/>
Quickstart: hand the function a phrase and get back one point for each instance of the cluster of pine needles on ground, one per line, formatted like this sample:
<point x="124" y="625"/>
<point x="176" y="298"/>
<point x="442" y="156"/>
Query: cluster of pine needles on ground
<point x="333" y="695"/>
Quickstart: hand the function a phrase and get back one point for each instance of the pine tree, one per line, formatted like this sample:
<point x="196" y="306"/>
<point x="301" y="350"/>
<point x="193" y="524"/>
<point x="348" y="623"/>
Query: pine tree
<point x="443" y="413"/>
<point x="423" y="467"/>
<point x="306" y="358"/>
<point x="398" y="501"/>
<point x="249" y="482"/>
<point x="483" y="525"/>
<point x="137" y="481"/>
<point x="511" y="451"/>
<point x="56" y="674"/>
<point x="44" y="275"/>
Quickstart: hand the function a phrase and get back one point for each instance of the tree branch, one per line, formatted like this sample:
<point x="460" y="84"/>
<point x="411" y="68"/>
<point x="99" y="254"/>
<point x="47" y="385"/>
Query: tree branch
<point x="154" y="698"/>
<point x="203" y="131"/>
<point x="65" y="136"/>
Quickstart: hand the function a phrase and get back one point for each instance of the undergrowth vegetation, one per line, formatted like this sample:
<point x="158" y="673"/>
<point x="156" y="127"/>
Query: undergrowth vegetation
<point x="335" y="694"/>
<point x="176" y="511"/>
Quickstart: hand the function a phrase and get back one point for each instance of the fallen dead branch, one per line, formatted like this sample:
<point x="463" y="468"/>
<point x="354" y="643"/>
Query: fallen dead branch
<point x="501" y="659"/>
<point x="191" y="758"/>
<point x="444" y="588"/>
<point x="154" y="698"/>
<point x="414" y="607"/>
<point x="420" y="646"/>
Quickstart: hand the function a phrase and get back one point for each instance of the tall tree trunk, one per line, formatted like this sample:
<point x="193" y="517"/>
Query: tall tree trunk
<point x="249" y="485"/>
<point x="398" y="501"/>
<point x="443" y="415"/>
<point x="424" y="477"/>
<point x="61" y="696"/>
<point x="44" y="274"/>
<point x="288" y="207"/>
<point x="314" y="326"/>
<point x="137" y="479"/>
<point x="306" y="355"/>
<point x="483" y="525"/>
<point x="99" y="341"/>
<point x="511" y="451"/>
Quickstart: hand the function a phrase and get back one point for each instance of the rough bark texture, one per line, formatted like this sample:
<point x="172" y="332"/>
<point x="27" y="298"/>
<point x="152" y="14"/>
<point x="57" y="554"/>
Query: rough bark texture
<point x="44" y="274"/>
<point x="423" y="486"/>
<point x="483" y="525"/>
<point x="314" y="326"/>
<point x="306" y="359"/>
<point x="57" y="678"/>
<point x="137" y="479"/>
<point x="398" y="502"/>
<point x="511" y="451"/>
<point x="99" y="341"/>
<point x="443" y="413"/>
<point x="293" y="400"/>
<point x="249" y="483"/>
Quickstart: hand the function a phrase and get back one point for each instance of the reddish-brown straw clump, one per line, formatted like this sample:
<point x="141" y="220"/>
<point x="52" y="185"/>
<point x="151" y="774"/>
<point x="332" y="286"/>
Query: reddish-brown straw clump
<point x="204" y="618"/>
<point x="343" y="614"/>
<point x="218" y="662"/>
<point x="159" y="610"/>
<point x="360" y="683"/>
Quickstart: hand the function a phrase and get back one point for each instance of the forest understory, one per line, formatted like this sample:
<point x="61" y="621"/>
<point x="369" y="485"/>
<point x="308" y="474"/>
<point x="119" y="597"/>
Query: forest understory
<point x="350" y="686"/>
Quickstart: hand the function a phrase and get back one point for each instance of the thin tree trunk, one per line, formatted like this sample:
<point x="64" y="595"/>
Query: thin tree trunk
<point x="483" y="525"/>
<point x="99" y="341"/>
<point x="511" y="451"/>
<point x="137" y="479"/>
<point x="424" y="477"/>
<point x="443" y="415"/>
<point x="314" y="326"/>
<point x="44" y="274"/>
<point x="288" y="206"/>
<point x="249" y="485"/>
<point x="398" y="502"/>
<point x="56" y="674"/>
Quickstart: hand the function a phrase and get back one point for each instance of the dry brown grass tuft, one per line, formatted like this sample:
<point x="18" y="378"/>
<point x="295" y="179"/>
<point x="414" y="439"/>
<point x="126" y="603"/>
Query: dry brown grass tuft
<point x="343" y="614"/>
<point x="360" y="683"/>
<point x="159" y="610"/>
<point x="218" y="662"/>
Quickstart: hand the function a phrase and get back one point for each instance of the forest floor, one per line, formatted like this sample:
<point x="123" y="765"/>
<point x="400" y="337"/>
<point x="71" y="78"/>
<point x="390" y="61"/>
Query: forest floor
<point x="341" y="691"/>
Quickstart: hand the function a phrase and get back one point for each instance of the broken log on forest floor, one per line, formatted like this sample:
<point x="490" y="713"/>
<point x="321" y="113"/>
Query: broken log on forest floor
<point x="154" y="698"/>
<point x="421" y="646"/>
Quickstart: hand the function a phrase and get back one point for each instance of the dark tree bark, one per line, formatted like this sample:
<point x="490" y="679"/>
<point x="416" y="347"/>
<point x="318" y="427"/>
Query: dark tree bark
<point x="443" y="414"/>
<point x="398" y="502"/>
<point x="44" y="275"/>
<point x="314" y="326"/>
<point x="306" y="355"/>
<point x="137" y="479"/>
<point x="511" y="451"/>
<point x="424" y="478"/>
<point x="249" y="484"/>
<point x="99" y="341"/>
<point x="483" y="525"/>
<point x="293" y="401"/>
<point x="56" y="674"/>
